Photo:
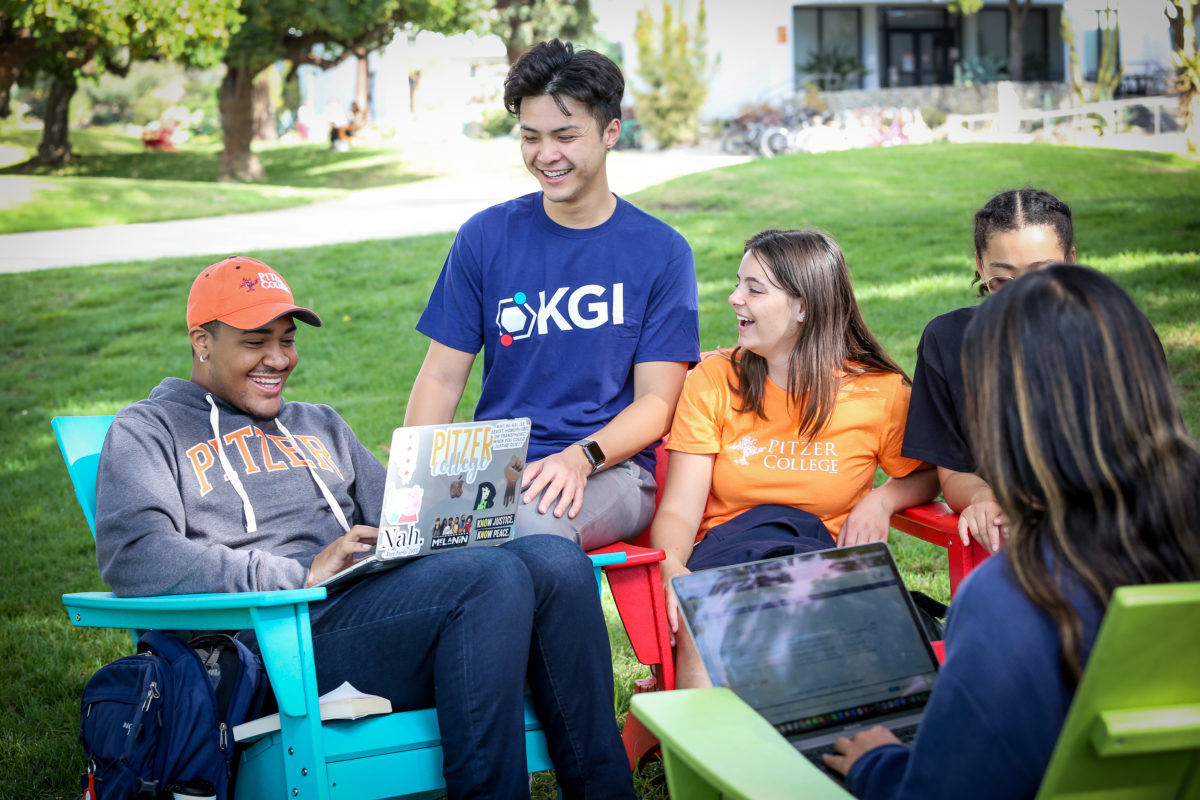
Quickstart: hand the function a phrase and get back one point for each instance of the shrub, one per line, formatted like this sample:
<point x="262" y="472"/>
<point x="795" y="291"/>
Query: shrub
<point x="674" y="67"/>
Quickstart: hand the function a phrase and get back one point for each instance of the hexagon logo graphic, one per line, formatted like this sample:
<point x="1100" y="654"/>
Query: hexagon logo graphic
<point x="515" y="318"/>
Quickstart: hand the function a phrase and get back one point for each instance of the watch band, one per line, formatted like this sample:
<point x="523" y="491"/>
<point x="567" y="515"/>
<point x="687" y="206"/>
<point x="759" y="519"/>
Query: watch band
<point x="595" y="455"/>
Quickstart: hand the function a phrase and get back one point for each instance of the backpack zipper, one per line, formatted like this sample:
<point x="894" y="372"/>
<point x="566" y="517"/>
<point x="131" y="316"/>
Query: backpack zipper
<point x="151" y="695"/>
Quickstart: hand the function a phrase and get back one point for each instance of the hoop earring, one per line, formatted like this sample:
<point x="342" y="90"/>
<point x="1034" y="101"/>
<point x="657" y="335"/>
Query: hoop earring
<point x="202" y="358"/>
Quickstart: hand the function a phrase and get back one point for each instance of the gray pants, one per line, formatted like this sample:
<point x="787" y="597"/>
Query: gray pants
<point x="618" y="504"/>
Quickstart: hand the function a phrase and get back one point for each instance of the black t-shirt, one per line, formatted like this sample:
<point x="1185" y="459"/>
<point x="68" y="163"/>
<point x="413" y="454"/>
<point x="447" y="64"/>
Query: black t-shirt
<point x="936" y="429"/>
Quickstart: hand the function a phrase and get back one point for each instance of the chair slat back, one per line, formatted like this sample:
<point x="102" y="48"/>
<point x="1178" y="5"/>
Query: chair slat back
<point x="1146" y="660"/>
<point x="80" y="440"/>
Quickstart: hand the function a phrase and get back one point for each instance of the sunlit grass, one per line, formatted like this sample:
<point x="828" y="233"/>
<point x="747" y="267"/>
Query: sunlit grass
<point x="111" y="180"/>
<point x="91" y="340"/>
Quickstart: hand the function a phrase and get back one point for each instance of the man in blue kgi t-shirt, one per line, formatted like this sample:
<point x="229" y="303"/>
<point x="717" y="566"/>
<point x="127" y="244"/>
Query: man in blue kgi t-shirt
<point x="585" y="308"/>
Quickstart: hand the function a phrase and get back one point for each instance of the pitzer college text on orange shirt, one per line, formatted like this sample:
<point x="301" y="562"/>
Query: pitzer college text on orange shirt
<point x="461" y="451"/>
<point x="801" y="456"/>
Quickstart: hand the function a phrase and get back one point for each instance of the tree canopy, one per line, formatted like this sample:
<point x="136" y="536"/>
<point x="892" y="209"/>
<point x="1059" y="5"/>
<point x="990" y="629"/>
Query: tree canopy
<point x="84" y="37"/>
<point x="524" y="23"/>
<point x="319" y="32"/>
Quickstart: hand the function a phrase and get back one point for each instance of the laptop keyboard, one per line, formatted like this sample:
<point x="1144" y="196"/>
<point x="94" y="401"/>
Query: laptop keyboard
<point x="905" y="734"/>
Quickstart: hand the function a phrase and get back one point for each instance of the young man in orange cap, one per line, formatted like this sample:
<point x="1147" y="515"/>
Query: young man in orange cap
<point x="217" y="484"/>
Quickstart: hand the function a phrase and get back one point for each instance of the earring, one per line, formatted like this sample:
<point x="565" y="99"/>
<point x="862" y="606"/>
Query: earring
<point x="202" y="358"/>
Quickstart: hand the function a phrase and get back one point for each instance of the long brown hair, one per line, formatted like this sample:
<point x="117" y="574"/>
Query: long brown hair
<point x="1075" y="426"/>
<point x="809" y="266"/>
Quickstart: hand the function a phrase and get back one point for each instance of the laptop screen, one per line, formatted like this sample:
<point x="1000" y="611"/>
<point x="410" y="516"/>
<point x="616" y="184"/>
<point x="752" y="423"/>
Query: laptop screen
<point x="814" y="640"/>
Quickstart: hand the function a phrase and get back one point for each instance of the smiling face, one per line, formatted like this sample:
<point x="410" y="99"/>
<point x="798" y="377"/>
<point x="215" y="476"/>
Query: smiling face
<point x="566" y="152"/>
<point x="768" y="317"/>
<point x="1010" y="254"/>
<point x="246" y="369"/>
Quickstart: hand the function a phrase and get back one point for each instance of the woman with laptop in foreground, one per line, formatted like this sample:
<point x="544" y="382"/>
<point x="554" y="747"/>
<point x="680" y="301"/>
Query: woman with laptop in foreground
<point x="1075" y="424"/>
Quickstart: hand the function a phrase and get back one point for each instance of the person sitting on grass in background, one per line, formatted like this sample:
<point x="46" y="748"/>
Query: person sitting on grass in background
<point x="1017" y="232"/>
<point x="1075" y="425"/>
<point x="775" y="444"/>
<point x="217" y="484"/>
<point x="585" y="309"/>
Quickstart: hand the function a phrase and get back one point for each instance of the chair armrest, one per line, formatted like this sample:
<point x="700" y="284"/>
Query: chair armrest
<point x="933" y="522"/>
<point x="635" y="555"/>
<point x="1153" y="730"/>
<point x="712" y="740"/>
<point x="606" y="559"/>
<point x="218" y="611"/>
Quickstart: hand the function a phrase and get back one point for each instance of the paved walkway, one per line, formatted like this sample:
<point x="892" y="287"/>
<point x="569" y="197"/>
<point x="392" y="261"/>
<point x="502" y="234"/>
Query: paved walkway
<point x="479" y="176"/>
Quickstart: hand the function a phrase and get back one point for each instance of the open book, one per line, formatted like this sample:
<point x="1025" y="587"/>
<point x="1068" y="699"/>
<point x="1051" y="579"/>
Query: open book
<point x="344" y="702"/>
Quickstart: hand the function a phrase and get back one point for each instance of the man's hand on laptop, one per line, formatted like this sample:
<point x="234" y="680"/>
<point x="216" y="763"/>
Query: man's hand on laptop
<point x="562" y="475"/>
<point x="847" y="751"/>
<point x="341" y="553"/>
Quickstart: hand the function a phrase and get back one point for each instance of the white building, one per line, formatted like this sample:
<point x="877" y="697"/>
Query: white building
<point x="762" y="42"/>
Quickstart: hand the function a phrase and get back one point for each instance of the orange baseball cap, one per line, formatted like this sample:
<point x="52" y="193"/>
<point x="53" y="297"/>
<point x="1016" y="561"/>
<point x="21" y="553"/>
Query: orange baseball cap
<point x="245" y="293"/>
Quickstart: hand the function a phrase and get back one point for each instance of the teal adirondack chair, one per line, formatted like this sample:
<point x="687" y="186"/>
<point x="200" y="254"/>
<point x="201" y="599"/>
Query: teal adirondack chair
<point x="397" y="755"/>
<point x="1133" y="730"/>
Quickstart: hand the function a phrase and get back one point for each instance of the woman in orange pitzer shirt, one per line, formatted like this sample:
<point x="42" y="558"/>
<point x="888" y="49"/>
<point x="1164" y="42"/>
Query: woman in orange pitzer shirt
<point x="775" y="444"/>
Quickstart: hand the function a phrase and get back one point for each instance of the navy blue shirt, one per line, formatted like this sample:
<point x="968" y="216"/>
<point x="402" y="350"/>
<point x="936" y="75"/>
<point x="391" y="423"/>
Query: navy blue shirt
<point x="564" y="314"/>
<point x="1000" y="700"/>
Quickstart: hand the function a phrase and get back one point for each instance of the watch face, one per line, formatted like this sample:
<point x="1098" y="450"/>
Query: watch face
<point x="593" y="453"/>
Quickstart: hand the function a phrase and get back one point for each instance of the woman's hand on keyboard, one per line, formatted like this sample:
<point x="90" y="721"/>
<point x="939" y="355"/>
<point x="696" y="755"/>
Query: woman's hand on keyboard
<point x="847" y="751"/>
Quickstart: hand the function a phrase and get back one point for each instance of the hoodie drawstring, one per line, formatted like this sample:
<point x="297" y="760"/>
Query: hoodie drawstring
<point x="329" y="498"/>
<point x="230" y="473"/>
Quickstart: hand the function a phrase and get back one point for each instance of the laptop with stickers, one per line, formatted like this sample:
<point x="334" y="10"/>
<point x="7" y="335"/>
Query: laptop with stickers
<point x="822" y="644"/>
<point x="448" y="487"/>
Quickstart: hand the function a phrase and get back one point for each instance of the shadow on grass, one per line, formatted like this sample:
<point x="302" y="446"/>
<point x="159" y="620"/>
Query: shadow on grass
<point x="309" y="166"/>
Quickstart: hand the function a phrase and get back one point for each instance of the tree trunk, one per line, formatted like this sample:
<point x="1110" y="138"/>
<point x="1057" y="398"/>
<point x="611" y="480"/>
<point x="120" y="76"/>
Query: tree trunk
<point x="362" y="89"/>
<point x="13" y="56"/>
<point x="55" y="148"/>
<point x="264" y="112"/>
<point x="238" y="161"/>
<point x="1016" y="40"/>
<point x="1176" y="22"/>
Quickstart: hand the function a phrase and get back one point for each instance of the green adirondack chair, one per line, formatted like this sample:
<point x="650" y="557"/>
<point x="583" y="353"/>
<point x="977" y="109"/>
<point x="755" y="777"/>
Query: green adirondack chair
<point x="1132" y="733"/>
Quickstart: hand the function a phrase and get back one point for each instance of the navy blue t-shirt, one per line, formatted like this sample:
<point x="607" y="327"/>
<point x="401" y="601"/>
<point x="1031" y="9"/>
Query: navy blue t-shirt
<point x="936" y="429"/>
<point x="563" y="314"/>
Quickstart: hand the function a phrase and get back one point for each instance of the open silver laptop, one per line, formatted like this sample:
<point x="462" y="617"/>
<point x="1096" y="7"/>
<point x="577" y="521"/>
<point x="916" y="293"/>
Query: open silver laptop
<point x="448" y="487"/>
<point x="822" y="644"/>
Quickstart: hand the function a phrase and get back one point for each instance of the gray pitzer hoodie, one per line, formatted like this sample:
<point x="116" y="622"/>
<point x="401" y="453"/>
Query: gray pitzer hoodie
<point x="193" y="495"/>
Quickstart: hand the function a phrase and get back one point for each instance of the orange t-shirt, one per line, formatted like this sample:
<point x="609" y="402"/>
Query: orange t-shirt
<point x="761" y="461"/>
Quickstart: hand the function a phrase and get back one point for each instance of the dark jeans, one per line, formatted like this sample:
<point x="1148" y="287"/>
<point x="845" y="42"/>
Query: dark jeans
<point x="464" y="630"/>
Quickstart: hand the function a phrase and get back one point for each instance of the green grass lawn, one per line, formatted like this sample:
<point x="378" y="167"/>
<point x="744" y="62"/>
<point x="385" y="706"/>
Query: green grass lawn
<point x="91" y="340"/>
<point x="111" y="180"/>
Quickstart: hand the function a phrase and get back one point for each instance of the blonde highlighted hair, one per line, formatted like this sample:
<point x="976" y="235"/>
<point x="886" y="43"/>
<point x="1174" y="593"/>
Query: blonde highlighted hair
<point x="1075" y="425"/>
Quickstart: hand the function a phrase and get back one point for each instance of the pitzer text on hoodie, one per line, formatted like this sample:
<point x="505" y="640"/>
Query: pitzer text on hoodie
<point x="193" y="495"/>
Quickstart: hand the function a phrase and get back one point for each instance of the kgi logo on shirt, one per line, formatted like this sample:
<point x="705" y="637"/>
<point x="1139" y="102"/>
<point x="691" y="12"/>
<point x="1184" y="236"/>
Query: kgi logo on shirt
<point x="583" y="307"/>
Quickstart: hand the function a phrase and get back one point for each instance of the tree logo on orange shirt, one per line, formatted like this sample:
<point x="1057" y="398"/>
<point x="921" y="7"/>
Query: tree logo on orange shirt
<point x="747" y="446"/>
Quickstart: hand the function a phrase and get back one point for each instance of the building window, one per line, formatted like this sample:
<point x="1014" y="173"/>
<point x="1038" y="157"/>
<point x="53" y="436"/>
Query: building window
<point x="919" y="45"/>
<point x="993" y="41"/>
<point x="827" y="46"/>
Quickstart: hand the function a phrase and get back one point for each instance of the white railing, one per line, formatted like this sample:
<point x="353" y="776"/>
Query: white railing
<point x="1011" y="126"/>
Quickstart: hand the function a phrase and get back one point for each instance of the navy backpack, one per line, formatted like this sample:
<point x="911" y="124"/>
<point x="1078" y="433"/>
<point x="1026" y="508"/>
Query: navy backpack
<point x="165" y="716"/>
